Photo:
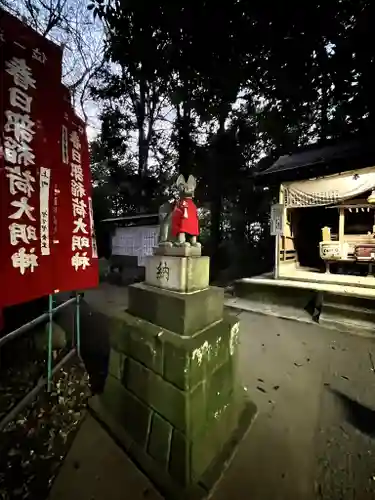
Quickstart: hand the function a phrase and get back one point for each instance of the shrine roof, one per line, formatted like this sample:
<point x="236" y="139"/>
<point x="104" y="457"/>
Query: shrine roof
<point x="136" y="220"/>
<point x="316" y="160"/>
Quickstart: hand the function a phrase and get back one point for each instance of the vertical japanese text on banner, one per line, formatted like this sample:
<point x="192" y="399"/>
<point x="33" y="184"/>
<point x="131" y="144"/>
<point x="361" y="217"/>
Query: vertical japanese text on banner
<point x="80" y="235"/>
<point x="18" y="154"/>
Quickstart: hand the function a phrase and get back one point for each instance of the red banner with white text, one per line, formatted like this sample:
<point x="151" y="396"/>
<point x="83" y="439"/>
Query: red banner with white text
<point x="32" y="111"/>
<point x="76" y="263"/>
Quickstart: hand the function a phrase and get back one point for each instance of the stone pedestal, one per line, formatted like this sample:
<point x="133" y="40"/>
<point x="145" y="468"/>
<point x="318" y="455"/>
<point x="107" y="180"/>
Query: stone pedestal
<point x="179" y="274"/>
<point x="172" y="397"/>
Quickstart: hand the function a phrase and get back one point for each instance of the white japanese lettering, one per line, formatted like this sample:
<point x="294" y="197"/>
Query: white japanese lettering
<point x="40" y="56"/>
<point x="20" y="181"/>
<point x="22" y="260"/>
<point x="19" y="45"/>
<point x="76" y="172"/>
<point x="80" y="226"/>
<point x="76" y="156"/>
<point x="18" y="152"/>
<point x="80" y="261"/>
<point x="64" y="144"/>
<point x="75" y="140"/>
<point x="78" y="189"/>
<point x="79" y="208"/>
<point x="19" y="99"/>
<point x="20" y="125"/>
<point x="21" y="73"/>
<point x="92" y="230"/>
<point x="80" y="242"/>
<point x="23" y="208"/>
<point x="21" y="232"/>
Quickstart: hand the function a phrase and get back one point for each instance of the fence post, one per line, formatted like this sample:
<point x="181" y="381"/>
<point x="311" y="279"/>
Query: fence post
<point x="78" y="324"/>
<point x="50" y="316"/>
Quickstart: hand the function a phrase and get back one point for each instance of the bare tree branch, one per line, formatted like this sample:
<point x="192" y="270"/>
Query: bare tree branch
<point x="69" y="24"/>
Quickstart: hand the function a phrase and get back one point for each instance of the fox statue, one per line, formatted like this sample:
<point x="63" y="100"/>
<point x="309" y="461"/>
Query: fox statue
<point x="180" y="217"/>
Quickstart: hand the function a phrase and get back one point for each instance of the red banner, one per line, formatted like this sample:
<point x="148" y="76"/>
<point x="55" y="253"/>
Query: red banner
<point x="77" y="262"/>
<point x="33" y="179"/>
<point x="33" y="47"/>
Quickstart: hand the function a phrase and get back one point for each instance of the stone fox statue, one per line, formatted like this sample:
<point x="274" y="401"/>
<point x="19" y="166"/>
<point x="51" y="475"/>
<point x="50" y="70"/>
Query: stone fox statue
<point x="180" y="217"/>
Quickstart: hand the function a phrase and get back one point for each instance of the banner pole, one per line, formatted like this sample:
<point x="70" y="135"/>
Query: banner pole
<point x="78" y="324"/>
<point x="49" y="368"/>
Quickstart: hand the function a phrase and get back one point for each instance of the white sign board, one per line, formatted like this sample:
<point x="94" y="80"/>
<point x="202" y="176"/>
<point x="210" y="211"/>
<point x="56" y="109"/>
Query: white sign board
<point x="135" y="241"/>
<point x="277" y="219"/>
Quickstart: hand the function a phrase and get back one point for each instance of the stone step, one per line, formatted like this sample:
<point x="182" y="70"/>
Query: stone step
<point x="268" y="309"/>
<point x="349" y="302"/>
<point x="266" y="293"/>
<point x="350" y="314"/>
<point x="361" y="327"/>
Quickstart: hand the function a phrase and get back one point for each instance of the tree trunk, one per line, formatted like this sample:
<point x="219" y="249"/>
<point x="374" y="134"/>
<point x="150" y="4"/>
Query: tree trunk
<point x="184" y="140"/>
<point x="216" y="199"/>
<point x="141" y="106"/>
<point x="325" y="90"/>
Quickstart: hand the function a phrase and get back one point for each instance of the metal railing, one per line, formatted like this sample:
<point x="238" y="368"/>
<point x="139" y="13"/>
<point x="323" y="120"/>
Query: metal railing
<point x="44" y="381"/>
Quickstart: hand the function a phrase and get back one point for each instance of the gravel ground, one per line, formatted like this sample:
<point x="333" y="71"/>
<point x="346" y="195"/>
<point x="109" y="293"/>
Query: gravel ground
<point x="33" y="446"/>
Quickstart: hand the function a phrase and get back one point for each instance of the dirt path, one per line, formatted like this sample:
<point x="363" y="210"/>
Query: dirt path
<point x="302" y="445"/>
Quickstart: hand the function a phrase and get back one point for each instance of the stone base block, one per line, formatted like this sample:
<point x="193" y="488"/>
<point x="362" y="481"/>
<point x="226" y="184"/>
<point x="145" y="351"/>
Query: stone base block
<point x="183" y="313"/>
<point x="152" y="460"/>
<point x="270" y="293"/>
<point x="180" y="274"/>
<point x="176" y="404"/>
<point x="175" y="251"/>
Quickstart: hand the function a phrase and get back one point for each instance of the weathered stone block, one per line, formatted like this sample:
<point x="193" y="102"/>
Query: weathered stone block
<point x="145" y="349"/>
<point x="131" y="413"/>
<point x="220" y="386"/>
<point x="185" y="314"/>
<point x="207" y="445"/>
<point x="180" y="274"/>
<point x="117" y="335"/>
<point x="176" y="365"/>
<point x="197" y="410"/>
<point x="159" y="394"/>
<point x="116" y="364"/>
<point x="194" y="359"/>
<point x="180" y="411"/>
<point x="179" y="461"/>
<point x="160" y="439"/>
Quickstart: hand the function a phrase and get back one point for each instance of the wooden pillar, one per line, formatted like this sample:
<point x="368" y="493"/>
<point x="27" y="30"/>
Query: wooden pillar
<point x="276" y="271"/>
<point x="341" y="225"/>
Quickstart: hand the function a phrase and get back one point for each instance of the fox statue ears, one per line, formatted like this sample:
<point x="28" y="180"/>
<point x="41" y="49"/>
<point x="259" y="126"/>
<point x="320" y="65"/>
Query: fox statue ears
<point x="190" y="184"/>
